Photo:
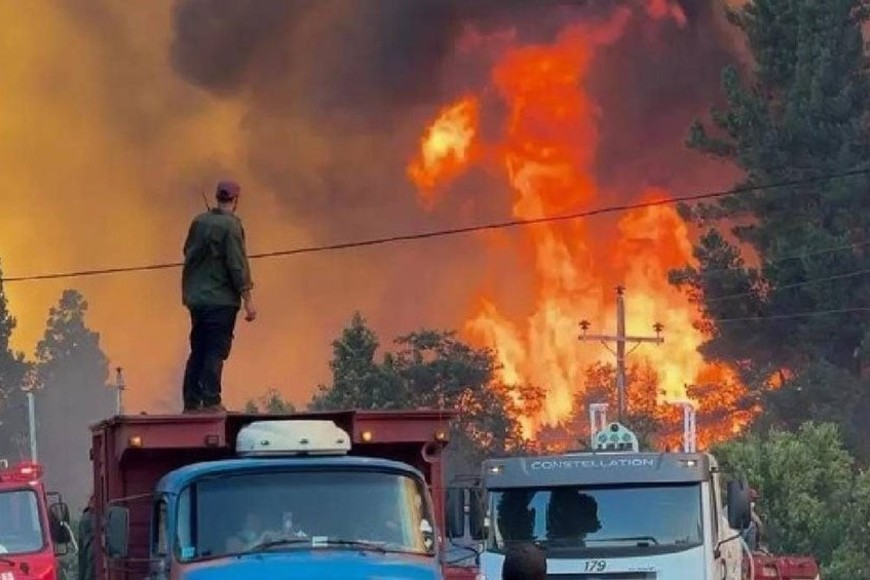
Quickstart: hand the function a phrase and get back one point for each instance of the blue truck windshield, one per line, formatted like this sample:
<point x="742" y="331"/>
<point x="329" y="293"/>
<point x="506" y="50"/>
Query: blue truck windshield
<point x="20" y="527"/>
<point x="304" y="509"/>
<point x="578" y="519"/>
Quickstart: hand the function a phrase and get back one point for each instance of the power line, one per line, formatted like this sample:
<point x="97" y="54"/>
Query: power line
<point x="834" y="278"/>
<point x="453" y="231"/>
<point x="820" y="252"/>
<point x="810" y="313"/>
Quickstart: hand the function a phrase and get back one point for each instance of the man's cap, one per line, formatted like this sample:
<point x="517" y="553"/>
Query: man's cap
<point x="227" y="190"/>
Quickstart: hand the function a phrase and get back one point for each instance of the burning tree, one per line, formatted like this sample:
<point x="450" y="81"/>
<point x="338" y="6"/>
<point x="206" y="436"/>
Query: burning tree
<point x="545" y="152"/>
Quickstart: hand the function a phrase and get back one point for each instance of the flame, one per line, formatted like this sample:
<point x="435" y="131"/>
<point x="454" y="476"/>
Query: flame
<point x="548" y="153"/>
<point x="446" y="148"/>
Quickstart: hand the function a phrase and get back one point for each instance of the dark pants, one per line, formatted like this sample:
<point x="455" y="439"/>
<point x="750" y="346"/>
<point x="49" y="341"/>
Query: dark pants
<point x="211" y="336"/>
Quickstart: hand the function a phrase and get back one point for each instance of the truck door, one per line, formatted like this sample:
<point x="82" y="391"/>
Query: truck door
<point x="729" y="564"/>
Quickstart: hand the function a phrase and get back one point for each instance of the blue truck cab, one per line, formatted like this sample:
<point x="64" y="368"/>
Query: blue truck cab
<point x="290" y="503"/>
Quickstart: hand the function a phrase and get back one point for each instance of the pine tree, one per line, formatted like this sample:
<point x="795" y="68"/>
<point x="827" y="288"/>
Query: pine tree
<point x="14" y="371"/>
<point x="357" y="380"/>
<point x="428" y="369"/>
<point x="271" y="403"/>
<point x="801" y="114"/>
<point x="73" y="372"/>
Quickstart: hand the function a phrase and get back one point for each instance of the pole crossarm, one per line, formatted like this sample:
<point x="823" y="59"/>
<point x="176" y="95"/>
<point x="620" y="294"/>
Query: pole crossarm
<point x="621" y="339"/>
<point x="613" y="338"/>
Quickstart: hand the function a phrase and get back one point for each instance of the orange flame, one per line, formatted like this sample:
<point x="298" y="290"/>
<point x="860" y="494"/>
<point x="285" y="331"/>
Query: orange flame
<point x="548" y="154"/>
<point x="446" y="148"/>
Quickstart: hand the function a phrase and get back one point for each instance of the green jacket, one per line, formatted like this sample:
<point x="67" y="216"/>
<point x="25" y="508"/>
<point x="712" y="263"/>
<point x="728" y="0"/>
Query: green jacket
<point x="216" y="270"/>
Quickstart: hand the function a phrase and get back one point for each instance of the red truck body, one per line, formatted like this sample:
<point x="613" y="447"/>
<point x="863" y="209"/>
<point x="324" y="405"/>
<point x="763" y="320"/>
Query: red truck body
<point x="130" y="454"/>
<point x="28" y="530"/>
<point x="778" y="567"/>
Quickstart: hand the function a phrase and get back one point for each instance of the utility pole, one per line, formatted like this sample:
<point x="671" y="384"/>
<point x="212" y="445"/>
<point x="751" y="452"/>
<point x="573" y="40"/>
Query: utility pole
<point x="31" y="424"/>
<point x="690" y="437"/>
<point x="119" y="388"/>
<point x="621" y="340"/>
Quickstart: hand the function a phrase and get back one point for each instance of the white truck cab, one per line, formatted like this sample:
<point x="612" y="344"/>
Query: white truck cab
<point x="613" y="512"/>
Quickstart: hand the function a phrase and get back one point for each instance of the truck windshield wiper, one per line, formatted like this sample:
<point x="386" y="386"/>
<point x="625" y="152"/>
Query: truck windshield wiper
<point x="316" y="542"/>
<point x="640" y="540"/>
<point x="277" y="543"/>
<point x="355" y="543"/>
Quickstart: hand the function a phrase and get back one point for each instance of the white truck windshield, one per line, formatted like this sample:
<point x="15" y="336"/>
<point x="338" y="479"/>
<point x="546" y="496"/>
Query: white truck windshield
<point x="576" y="519"/>
<point x="20" y="527"/>
<point x="233" y="514"/>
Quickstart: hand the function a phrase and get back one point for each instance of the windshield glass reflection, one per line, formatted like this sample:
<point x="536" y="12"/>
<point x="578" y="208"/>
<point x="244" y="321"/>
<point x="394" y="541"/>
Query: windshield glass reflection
<point x="310" y="509"/>
<point x="20" y="528"/>
<point x="577" y="518"/>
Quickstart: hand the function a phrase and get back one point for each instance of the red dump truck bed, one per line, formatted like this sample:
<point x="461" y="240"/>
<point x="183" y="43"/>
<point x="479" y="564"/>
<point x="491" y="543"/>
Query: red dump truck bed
<point x="130" y="454"/>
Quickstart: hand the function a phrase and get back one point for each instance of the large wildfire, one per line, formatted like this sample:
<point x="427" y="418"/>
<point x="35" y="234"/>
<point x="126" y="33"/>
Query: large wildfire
<point x="117" y="117"/>
<point x="546" y="149"/>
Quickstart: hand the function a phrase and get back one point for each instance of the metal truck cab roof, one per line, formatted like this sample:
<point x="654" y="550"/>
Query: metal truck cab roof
<point x="177" y="480"/>
<point x="597" y="469"/>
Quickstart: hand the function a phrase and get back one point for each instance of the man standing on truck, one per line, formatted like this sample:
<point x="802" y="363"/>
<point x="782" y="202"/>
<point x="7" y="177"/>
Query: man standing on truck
<point x="216" y="280"/>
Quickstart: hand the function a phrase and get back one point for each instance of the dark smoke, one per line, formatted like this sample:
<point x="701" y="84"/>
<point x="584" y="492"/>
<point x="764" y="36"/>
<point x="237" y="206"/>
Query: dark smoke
<point x="651" y="86"/>
<point x="382" y="53"/>
<point x="338" y="90"/>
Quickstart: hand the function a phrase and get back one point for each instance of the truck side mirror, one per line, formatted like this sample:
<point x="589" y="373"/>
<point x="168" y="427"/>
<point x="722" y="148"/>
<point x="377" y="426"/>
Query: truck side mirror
<point x="739" y="510"/>
<point x="116" y="531"/>
<point x="59" y="523"/>
<point x="477" y="513"/>
<point x="455" y="512"/>
<point x="60" y="511"/>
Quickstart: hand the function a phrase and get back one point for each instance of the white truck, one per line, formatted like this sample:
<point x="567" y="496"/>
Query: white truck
<point x="613" y="513"/>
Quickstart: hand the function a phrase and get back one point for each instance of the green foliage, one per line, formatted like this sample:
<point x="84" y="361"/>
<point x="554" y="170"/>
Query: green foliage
<point x="801" y="114"/>
<point x="271" y="403"/>
<point x="821" y="393"/>
<point x="850" y="558"/>
<point x="67" y="337"/>
<point x="806" y="483"/>
<point x="428" y="369"/>
<point x="357" y="380"/>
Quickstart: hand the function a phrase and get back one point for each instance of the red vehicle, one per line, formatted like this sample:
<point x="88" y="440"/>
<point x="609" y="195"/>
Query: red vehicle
<point x="137" y="458"/>
<point x="779" y="567"/>
<point x="32" y="530"/>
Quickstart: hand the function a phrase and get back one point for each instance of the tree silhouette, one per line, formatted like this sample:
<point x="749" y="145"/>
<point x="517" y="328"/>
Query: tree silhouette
<point x="72" y="371"/>
<point x="14" y="374"/>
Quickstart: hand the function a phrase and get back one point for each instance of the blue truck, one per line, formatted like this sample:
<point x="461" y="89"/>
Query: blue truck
<point x="318" y="495"/>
